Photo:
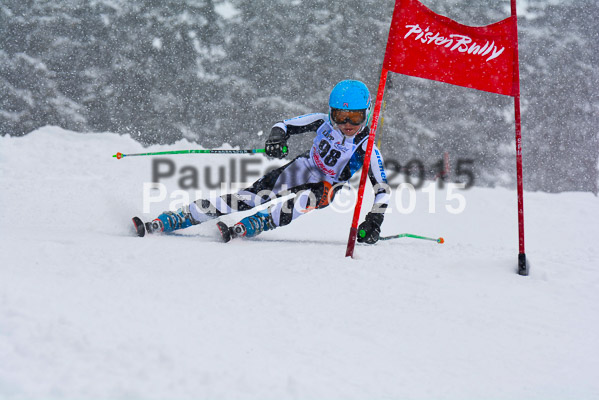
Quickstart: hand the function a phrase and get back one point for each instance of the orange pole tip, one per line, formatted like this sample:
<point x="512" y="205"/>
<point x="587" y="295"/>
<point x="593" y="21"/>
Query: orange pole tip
<point x="440" y="240"/>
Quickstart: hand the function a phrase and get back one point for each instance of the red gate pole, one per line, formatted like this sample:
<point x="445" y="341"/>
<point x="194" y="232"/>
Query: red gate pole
<point x="353" y="232"/>
<point x="523" y="267"/>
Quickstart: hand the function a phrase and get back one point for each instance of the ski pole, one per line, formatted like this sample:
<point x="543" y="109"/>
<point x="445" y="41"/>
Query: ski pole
<point x="209" y="151"/>
<point x="438" y="240"/>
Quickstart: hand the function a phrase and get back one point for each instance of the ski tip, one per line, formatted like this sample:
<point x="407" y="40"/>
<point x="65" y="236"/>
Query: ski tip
<point x="224" y="231"/>
<point x="440" y="240"/>
<point x="138" y="224"/>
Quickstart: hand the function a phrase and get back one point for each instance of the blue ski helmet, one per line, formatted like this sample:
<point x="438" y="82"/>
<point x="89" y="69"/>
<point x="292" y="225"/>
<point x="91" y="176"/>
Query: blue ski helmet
<point x="350" y="95"/>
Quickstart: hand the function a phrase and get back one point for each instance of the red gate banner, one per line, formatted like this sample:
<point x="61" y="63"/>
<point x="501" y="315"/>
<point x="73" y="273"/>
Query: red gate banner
<point x="427" y="45"/>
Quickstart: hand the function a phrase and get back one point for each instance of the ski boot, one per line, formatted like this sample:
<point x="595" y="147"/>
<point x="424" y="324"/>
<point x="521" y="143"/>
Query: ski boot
<point x="168" y="221"/>
<point x="248" y="227"/>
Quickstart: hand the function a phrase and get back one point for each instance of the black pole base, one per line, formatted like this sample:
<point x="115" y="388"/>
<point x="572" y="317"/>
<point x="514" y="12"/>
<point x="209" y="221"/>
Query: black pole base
<point x="523" y="266"/>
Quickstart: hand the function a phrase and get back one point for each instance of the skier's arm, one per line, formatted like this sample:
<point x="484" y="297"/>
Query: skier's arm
<point x="378" y="178"/>
<point x="276" y="144"/>
<point x="370" y="229"/>
<point x="301" y="124"/>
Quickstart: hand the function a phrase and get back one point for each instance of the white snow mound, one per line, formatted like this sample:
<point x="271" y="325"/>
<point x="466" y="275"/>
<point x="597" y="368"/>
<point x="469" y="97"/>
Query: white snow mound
<point x="89" y="311"/>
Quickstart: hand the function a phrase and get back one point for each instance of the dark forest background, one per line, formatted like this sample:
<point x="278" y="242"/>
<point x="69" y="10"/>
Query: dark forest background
<point x="217" y="72"/>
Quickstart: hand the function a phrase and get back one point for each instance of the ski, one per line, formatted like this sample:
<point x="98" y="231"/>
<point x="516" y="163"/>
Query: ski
<point x="225" y="232"/>
<point x="139" y="226"/>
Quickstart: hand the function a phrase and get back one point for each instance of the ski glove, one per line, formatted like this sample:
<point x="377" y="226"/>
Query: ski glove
<point x="276" y="145"/>
<point x="370" y="230"/>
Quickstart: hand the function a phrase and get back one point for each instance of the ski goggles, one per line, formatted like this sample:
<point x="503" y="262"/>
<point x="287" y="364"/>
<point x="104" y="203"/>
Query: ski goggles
<point x="353" y="117"/>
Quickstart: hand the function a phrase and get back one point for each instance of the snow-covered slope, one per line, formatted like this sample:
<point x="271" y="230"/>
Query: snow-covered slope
<point x="89" y="311"/>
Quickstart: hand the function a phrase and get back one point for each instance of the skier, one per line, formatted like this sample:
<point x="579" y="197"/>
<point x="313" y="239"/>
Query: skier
<point x="313" y="177"/>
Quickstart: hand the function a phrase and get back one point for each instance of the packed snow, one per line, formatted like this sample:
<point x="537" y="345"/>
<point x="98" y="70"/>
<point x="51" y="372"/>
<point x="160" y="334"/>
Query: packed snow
<point x="90" y="311"/>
